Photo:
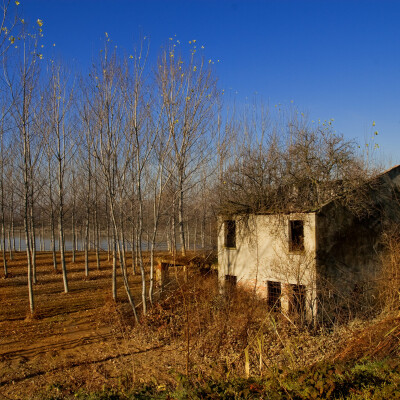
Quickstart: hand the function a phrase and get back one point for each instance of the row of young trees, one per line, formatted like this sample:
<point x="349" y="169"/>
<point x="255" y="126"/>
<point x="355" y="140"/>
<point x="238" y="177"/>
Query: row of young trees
<point x="124" y="152"/>
<point x="133" y="151"/>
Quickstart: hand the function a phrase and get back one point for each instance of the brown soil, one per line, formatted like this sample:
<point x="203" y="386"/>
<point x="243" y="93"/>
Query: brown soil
<point x="74" y="340"/>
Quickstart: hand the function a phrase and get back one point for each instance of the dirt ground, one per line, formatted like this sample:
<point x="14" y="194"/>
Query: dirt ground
<point x="75" y="340"/>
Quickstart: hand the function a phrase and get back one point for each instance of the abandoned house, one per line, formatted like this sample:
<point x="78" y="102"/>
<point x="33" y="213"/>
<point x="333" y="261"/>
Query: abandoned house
<point x="309" y="261"/>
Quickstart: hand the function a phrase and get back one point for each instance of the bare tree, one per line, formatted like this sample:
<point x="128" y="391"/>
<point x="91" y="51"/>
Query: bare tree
<point x="50" y="185"/>
<point x="3" y="161"/>
<point x="104" y="114"/>
<point x="141" y="138"/>
<point x="189" y="92"/>
<point x="59" y="102"/>
<point x="11" y="193"/>
<point x="9" y="32"/>
<point x="73" y="212"/>
<point x="23" y="89"/>
<point x="288" y="165"/>
<point x="160" y="179"/>
<point x="88" y="202"/>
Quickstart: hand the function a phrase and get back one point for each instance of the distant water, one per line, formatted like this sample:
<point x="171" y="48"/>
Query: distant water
<point x="45" y="244"/>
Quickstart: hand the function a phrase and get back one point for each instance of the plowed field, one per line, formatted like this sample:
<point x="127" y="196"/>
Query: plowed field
<point x="74" y="340"/>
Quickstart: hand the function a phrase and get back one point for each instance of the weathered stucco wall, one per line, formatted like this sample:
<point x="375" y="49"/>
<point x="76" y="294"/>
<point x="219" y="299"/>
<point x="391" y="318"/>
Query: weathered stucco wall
<point x="347" y="250"/>
<point x="349" y="244"/>
<point x="347" y="260"/>
<point x="263" y="254"/>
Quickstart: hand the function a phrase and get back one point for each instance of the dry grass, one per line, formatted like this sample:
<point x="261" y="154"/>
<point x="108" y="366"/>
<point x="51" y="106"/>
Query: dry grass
<point x="84" y="341"/>
<point x="376" y="340"/>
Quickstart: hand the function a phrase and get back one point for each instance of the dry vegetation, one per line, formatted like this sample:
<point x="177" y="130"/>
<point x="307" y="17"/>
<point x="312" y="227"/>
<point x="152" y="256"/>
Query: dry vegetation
<point x="82" y="342"/>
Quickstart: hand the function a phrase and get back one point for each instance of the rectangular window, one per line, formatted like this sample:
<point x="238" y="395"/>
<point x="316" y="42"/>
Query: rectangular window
<point x="296" y="235"/>
<point x="230" y="283"/>
<point x="297" y="300"/>
<point x="274" y="295"/>
<point x="230" y="234"/>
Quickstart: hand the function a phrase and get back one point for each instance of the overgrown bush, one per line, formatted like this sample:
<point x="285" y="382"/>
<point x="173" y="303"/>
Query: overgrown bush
<point x="236" y="348"/>
<point x="388" y="283"/>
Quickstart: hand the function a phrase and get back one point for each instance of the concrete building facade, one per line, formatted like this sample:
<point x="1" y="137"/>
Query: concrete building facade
<point x="303" y="262"/>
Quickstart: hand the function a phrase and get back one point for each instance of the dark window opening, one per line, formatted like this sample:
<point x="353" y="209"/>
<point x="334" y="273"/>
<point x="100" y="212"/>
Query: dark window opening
<point x="274" y="295"/>
<point x="297" y="299"/>
<point x="230" y="234"/>
<point x="296" y="242"/>
<point x="230" y="283"/>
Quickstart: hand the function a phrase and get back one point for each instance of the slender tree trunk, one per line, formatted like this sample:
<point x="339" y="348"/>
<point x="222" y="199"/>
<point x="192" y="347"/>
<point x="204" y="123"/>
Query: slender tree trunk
<point x="203" y="231"/>
<point x="43" y="244"/>
<point x="210" y="235"/>
<point x="121" y="261"/>
<point x="52" y="218"/>
<point x="57" y="241"/>
<point x="87" y="245"/>
<point x="53" y="240"/>
<point x="114" y="269"/>
<point x="73" y="218"/>
<point x="62" y="250"/>
<point x="13" y="236"/>
<point x="61" y="171"/>
<point x="168" y="237"/>
<point x="33" y="246"/>
<point x="187" y="236"/>
<point x="3" y="227"/>
<point x="122" y="238"/>
<point x="151" y="278"/>
<point x="32" y="217"/>
<point x="173" y="230"/>
<point x="89" y="186"/>
<point x="73" y="232"/>
<point x="133" y="252"/>
<point x="12" y="221"/>
<point x="27" y="205"/>
<point x="195" y="235"/>
<point x="137" y="244"/>
<point x="133" y="240"/>
<point x="108" y="231"/>
<point x="181" y="218"/>
<point x="3" y="234"/>
<point x="9" y="238"/>
<point x="139" y="250"/>
<point x="156" y="215"/>
<point x="83" y="242"/>
<point x="28" y="256"/>
<point x="96" y="233"/>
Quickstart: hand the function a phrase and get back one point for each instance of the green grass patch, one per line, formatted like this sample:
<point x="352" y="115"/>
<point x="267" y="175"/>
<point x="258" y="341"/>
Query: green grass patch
<point x="365" y="380"/>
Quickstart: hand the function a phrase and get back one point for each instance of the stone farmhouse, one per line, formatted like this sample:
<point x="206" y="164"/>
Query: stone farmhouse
<point x="311" y="262"/>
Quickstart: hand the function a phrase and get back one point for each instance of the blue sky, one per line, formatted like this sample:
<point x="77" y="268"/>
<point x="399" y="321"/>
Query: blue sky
<point x="334" y="59"/>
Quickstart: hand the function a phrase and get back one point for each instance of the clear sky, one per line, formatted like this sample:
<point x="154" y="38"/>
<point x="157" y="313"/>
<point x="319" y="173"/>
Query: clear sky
<point x="335" y="59"/>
